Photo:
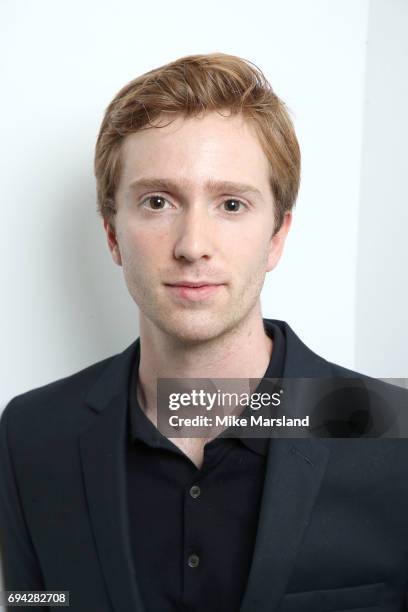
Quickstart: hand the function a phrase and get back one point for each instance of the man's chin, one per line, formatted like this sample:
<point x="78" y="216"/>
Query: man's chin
<point x="197" y="328"/>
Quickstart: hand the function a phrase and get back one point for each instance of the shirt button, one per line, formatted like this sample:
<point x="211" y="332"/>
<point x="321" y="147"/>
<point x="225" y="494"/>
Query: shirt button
<point x="193" y="560"/>
<point x="195" y="491"/>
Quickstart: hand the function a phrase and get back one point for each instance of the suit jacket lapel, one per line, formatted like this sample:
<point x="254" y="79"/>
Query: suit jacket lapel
<point x="102" y="448"/>
<point x="294" y="473"/>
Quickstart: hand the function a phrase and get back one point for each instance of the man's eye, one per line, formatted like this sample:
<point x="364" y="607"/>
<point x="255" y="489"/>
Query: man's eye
<point x="155" y="203"/>
<point x="233" y="205"/>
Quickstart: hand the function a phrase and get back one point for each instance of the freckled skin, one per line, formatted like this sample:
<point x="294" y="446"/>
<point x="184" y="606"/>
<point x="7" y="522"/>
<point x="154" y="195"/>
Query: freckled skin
<point x="194" y="236"/>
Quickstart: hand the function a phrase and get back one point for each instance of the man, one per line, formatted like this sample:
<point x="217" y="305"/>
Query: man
<point x="197" y="168"/>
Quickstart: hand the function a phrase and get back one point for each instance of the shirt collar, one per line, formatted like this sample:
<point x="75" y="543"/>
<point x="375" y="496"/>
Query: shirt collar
<point x="141" y="428"/>
<point x="275" y="371"/>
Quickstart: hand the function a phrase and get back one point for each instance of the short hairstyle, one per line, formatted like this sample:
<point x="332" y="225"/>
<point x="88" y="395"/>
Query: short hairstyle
<point x="190" y="86"/>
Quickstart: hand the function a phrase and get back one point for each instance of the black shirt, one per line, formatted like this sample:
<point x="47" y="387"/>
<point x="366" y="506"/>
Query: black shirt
<point x="193" y="530"/>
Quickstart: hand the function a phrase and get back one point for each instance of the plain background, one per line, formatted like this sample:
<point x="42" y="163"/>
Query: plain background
<point x="340" y="65"/>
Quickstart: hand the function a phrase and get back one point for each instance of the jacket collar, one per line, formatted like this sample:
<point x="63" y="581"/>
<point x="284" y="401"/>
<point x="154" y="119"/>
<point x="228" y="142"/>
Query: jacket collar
<point x="294" y="473"/>
<point x="300" y="361"/>
<point x="114" y="378"/>
<point x="102" y="450"/>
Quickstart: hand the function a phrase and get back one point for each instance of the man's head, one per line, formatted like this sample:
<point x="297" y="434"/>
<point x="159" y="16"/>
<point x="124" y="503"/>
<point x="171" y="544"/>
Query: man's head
<point x="197" y="168"/>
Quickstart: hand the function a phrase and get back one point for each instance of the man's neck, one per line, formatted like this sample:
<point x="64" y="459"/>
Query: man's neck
<point x="244" y="352"/>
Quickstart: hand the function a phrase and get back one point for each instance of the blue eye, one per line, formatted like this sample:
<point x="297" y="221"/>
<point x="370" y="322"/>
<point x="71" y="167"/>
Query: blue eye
<point x="233" y="205"/>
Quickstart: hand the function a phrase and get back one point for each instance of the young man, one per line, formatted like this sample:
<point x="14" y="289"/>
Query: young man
<point x="197" y="168"/>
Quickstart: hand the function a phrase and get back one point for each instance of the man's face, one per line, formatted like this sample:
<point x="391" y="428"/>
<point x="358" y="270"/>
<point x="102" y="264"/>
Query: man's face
<point x="194" y="205"/>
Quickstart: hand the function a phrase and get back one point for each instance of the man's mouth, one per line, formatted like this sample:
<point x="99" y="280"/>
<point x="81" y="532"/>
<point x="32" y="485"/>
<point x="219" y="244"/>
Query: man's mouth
<point x="194" y="290"/>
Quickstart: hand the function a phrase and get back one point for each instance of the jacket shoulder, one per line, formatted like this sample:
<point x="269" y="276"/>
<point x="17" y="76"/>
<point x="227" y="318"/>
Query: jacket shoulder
<point x="302" y="362"/>
<point x="69" y="390"/>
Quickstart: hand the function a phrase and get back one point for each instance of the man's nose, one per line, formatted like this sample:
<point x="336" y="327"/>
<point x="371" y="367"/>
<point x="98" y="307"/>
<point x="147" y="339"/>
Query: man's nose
<point x="195" y="234"/>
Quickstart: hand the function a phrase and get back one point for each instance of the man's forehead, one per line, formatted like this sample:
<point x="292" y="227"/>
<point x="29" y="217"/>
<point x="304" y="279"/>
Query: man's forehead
<point x="208" y="155"/>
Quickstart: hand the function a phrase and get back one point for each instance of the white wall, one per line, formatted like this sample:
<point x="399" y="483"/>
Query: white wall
<point x="323" y="80"/>
<point x="64" y="303"/>
<point x="382" y="278"/>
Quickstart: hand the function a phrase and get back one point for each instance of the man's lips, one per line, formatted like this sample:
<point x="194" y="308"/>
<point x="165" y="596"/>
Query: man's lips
<point x="194" y="291"/>
<point x="201" y="283"/>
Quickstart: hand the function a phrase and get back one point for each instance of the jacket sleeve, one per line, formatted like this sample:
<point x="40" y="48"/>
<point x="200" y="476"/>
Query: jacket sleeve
<point x="21" y="569"/>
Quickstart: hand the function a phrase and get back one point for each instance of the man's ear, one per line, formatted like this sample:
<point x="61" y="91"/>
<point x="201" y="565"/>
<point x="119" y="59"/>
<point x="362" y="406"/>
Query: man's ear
<point x="278" y="242"/>
<point x="112" y="242"/>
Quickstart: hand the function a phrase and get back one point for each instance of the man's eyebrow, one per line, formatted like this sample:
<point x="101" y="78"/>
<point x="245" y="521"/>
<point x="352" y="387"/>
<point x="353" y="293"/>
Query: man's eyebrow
<point x="211" y="186"/>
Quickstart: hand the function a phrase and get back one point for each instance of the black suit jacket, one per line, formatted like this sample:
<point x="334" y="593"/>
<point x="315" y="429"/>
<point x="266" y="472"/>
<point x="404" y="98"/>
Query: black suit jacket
<point x="333" y="524"/>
